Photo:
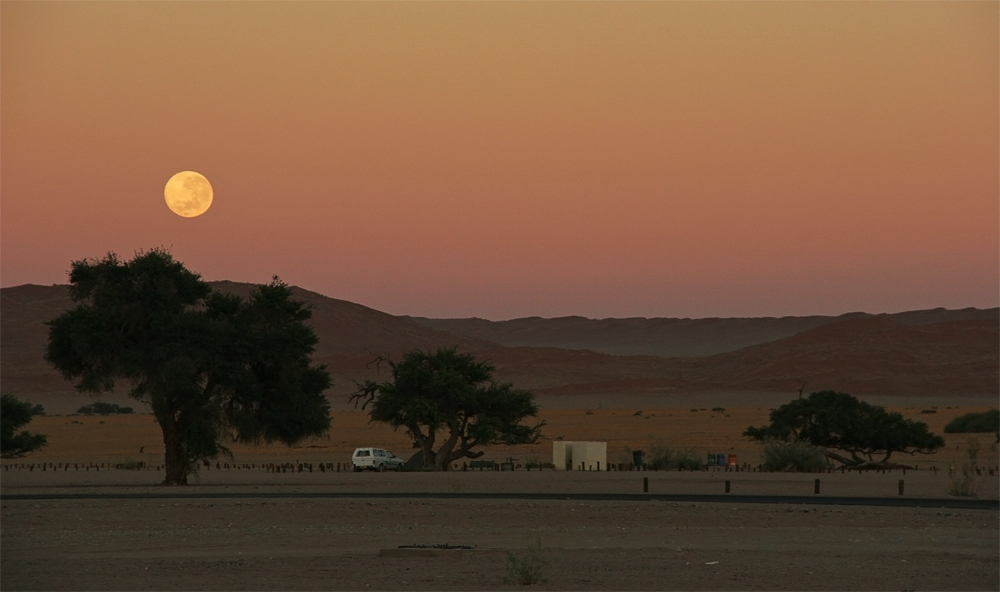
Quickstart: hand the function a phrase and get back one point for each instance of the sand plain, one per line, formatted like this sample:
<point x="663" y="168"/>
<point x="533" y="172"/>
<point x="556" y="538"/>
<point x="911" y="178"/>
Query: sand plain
<point x="119" y="438"/>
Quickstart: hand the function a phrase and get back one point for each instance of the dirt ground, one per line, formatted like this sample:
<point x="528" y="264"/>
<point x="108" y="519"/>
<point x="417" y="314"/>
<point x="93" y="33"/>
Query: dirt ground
<point x="273" y="543"/>
<point x="353" y="544"/>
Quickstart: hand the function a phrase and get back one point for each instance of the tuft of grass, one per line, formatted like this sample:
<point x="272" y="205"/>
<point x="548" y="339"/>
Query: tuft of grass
<point x="793" y="456"/>
<point x="963" y="482"/>
<point x="526" y="569"/>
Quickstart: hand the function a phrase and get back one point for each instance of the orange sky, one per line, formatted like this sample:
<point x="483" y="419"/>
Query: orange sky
<point x="513" y="159"/>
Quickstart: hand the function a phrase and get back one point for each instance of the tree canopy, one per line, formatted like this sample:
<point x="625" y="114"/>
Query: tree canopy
<point x="451" y="395"/>
<point x="842" y="424"/>
<point x="975" y="423"/>
<point x="211" y="366"/>
<point x="101" y="408"/>
<point x="15" y="414"/>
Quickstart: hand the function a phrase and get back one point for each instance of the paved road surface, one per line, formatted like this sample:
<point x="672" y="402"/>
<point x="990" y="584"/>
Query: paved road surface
<point x="898" y="502"/>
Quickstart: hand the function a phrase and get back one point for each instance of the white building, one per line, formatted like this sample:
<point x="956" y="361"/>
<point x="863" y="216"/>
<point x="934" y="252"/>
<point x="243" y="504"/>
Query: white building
<point x="580" y="456"/>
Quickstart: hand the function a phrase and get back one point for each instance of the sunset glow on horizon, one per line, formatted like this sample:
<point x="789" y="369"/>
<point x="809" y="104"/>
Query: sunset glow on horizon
<point x="501" y="160"/>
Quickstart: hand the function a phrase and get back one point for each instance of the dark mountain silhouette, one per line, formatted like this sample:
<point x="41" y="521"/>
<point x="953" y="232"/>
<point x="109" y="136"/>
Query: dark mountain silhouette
<point x="923" y="353"/>
<point x="867" y="355"/>
<point x="665" y="337"/>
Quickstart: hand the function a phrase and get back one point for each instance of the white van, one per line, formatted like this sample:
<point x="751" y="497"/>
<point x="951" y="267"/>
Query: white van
<point x="376" y="459"/>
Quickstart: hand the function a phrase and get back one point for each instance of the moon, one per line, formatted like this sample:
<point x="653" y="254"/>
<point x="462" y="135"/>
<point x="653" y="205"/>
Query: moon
<point x="188" y="194"/>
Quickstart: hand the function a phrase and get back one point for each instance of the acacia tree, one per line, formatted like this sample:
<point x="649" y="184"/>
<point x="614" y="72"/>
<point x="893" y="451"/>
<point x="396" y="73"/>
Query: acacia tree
<point x="211" y="366"/>
<point x="844" y="425"/>
<point x="452" y="395"/>
<point x="14" y="414"/>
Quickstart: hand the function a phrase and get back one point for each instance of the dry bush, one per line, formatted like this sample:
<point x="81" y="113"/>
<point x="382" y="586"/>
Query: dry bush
<point x="963" y="482"/>
<point x="663" y="456"/>
<point x="793" y="456"/>
<point x="526" y="569"/>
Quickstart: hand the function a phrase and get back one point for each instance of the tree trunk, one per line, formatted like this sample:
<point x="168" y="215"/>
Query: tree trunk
<point x="444" y="456"/>
<point x="428" y="448"/>
<point x="176" y="463"/>
<point x="462" y="452"/>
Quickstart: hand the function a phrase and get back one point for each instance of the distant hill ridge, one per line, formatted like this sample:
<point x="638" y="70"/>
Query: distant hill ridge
<point x="668" y="337"/>
<point x="925" y="353"/>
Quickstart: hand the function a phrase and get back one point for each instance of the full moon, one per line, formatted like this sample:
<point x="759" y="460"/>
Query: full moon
<point x="188" y="194"/>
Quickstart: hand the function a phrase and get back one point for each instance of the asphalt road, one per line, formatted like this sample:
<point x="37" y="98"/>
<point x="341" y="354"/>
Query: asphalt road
<point x="898" y="502"/>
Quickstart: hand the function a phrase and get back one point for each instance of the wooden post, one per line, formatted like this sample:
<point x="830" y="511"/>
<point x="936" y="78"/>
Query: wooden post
<point x="727" y="485"/>
<point x="816" y="487"/>
<point x="900" y="487"/>
<point x="645" y="484"/>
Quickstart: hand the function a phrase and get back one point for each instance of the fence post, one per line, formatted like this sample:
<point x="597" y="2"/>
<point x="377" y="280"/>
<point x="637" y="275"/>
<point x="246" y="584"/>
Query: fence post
<point x="816" y="487"/>
<point x="645" y="484"/>
<point x="727" y="485"/>
<point x="900" y="487"/>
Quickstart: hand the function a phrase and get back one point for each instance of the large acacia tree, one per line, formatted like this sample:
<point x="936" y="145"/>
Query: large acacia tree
<point x="854" y="433"/>
<point x="213" y="367"/>
<point x="449" y="404"/>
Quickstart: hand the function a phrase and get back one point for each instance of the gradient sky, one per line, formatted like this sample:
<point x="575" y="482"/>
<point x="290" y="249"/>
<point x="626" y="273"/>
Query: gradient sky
<point x="514" y="159"/>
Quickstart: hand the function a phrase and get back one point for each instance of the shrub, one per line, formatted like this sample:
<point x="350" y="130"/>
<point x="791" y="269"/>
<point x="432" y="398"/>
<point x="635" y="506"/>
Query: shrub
<point x="793" y="456"/>
<point x="625" y="456"/>
<point x="526" y="569"/>
<point x="664" y="457"/>
<point x="975" y="423"/>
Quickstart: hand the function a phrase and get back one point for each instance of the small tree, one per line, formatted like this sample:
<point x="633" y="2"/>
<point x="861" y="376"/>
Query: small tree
<point x="211" y="366"/>
<point x="453" y="395"/>
<point x="14" y="414"/>
<point x="975" y="423"/>
<point x="842" y="424"/>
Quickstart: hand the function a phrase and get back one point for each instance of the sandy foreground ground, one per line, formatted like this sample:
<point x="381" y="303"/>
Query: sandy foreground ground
<point x="353" y="543"/>
<point x="273" y="543"/>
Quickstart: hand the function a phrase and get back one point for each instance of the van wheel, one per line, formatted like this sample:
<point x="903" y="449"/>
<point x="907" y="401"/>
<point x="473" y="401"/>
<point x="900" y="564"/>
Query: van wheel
<point x="399" y="468"/>
<point x="357" y="469"/>
<point x="380" y="468"/>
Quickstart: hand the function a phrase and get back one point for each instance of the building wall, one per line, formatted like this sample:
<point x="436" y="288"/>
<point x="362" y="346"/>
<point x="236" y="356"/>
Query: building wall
<point x="577" y="456"/>
<point x="561" y="455"/>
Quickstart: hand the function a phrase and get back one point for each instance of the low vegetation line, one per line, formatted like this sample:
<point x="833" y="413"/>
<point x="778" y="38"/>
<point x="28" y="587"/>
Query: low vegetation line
<point x="967" y="504"/>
